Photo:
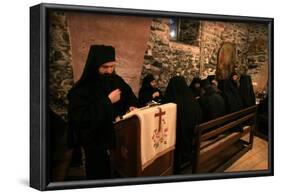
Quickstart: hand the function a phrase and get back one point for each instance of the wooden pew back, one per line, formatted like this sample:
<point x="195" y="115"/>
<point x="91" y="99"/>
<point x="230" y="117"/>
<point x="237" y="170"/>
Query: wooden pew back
<point x="218" y="142"/>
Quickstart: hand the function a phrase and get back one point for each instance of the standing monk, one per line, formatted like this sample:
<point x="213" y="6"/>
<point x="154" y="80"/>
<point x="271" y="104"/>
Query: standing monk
<point x="94" y="102"/>
<point x="246" y="89"/>
<point x="188" y="116"/>
<point x="231" y="93"/>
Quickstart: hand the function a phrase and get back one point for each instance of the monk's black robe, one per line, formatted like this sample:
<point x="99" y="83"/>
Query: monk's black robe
<point x="188" y="116"/>
<point x="247" y="91"/>
<point x="145" y="95"/>
<point x="91" y="115"/>
<point x="231" y="96"/>
<point x="212" y="104"/>
<point x="195" y="90"/>
<point x="146" y="91"/>
<point x="262" y="116"/>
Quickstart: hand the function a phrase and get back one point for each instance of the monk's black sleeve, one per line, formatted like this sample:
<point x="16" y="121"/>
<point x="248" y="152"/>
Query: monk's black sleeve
<point x="89" y="116"/>
<point x="131" y="99"/>
<point x="144" y="97"/>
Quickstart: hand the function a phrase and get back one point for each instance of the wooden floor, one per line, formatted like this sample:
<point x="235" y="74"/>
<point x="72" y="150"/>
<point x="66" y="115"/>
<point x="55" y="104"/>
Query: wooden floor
<point x="254" y="159"/>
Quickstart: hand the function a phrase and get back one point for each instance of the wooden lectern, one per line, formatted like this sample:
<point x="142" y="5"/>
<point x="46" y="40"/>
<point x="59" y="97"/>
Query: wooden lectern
<point x="126" y="158"/>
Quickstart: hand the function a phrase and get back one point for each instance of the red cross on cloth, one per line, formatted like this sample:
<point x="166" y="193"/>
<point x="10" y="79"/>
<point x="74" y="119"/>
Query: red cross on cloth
<point x="160" y="117"/>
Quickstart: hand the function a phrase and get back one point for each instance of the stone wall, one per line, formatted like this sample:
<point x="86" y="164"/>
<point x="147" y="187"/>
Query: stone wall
<point x="60" y="75"/>
<point x="257" y="56"/>
<point x="249" y="40"/>
<point x="214" y="34"/>
<point x="164" y="58"/>
<point x="189" y="32"/>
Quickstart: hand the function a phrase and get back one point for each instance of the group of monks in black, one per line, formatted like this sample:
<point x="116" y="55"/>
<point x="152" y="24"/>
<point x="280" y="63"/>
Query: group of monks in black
<point x="101" y="95"/>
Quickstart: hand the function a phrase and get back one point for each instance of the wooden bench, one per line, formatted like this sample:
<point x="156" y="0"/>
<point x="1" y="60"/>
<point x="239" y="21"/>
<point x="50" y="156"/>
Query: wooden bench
<point x="218" y="142"/>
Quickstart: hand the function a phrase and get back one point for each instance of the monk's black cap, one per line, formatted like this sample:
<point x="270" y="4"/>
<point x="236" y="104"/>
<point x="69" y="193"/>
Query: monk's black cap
<point x="147" y="80"/>
<point x="100" y="54"/>
<point x="205" y="83"/>
<point x="211" y="78"/>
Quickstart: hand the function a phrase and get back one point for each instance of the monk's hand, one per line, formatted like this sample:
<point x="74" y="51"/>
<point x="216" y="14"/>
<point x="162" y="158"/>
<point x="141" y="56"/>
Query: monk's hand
<point x="155" y="94"/>
<point x="131" y="108"/>
<point x="115" y="96"/>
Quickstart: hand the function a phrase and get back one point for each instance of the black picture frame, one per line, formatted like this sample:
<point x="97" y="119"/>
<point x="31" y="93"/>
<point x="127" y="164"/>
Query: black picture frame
<point x="39" y="133"/>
